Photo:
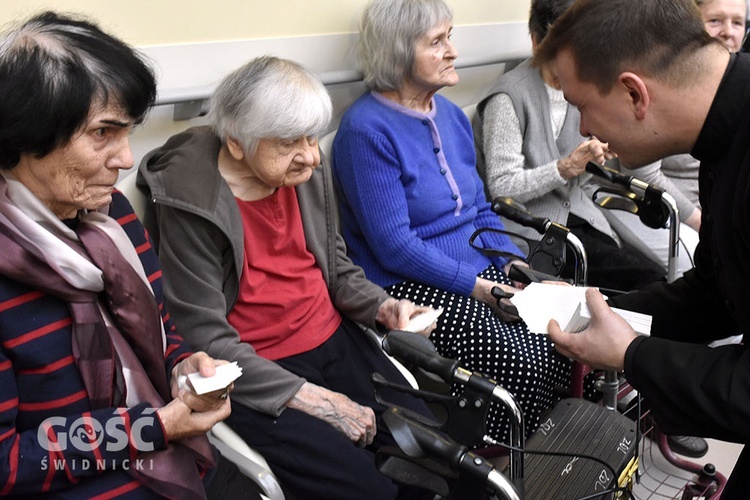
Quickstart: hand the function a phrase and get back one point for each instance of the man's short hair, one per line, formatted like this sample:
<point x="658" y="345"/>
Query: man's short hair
<point x="543" y="13"/>
<point x="657" y="38"/>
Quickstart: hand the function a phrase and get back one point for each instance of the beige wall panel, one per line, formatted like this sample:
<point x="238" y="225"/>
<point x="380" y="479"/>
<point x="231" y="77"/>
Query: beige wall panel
<point x="157" y="22"/>
<point x="192" y="44"/>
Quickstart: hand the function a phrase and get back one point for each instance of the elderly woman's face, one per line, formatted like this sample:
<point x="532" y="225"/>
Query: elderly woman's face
<point x="284" y="162"/>
<point x="82" y="173"/>
<point x="434" y="54"/>
<point x="725" y="21"/>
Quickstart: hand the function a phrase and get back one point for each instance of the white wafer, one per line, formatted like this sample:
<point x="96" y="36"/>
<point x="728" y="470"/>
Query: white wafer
<point x="225" y="375"/>
<point x="423" y="320"/>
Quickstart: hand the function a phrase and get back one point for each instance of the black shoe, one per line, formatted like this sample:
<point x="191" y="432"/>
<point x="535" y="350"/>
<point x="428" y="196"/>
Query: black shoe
<point x="690" y="446"/>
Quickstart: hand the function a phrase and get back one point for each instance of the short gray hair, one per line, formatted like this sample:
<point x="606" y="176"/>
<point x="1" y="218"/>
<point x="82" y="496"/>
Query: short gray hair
<point x="388" y="33"/>
<point x="268" y="98"/>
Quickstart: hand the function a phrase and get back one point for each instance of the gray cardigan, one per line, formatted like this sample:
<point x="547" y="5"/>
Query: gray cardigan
<point x="536" y="183"/>
<point x="195" y="220"/>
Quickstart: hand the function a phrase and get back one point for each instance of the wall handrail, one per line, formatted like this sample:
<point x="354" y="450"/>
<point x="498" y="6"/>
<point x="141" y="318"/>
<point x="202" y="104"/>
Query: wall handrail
<point x="191" y="102"/>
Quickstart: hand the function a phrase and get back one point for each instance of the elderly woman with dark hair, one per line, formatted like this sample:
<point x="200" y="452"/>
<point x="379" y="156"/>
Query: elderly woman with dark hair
<point x="255" y="271"/>
<point x="410" y="199"/>
<point x="89" y="359"/>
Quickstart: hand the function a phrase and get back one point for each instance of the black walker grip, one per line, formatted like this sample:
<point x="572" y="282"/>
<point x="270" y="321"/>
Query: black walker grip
<point x="527" y="275"/>
<point x="509" y="209"/>
<point x="418" y="440"/>
<point x="415" y="349"/>
<point x="609" y="174"/>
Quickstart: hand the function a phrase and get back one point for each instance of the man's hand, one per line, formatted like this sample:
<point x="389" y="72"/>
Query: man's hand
<point x="355" y="421"/>
<point x="603" y="344"/>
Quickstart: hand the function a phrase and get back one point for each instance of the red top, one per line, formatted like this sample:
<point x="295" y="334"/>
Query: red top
<point x="283" y="307"/>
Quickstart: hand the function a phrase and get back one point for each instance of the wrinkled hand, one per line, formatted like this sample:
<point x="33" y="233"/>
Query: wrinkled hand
<point x="591" y="150"/>
<point x="395" y="314"/>
<point x="356" y="422"/>
<point x="180" y="421"/>
<point x="603" y="344"/>
<point x="496" y="296"/>
<point x="206" y="365"/>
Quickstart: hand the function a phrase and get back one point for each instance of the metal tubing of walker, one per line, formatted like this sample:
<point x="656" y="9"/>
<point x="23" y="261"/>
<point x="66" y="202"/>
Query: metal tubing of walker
<point x="674" y="236"/>
<point x="516" y="435"/>
<point x="501" y="485"/>
<point x="582" y="269"/>
<point x="611" y="384"/>
<point x="639" y="187"/>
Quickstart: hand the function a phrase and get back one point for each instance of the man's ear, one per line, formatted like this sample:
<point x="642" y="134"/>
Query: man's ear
<point x="235" y="149"/>
<point x="639" y="98"/>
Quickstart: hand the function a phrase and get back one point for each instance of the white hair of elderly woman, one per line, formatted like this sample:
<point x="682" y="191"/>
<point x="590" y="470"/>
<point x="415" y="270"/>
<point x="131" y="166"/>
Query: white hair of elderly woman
<point x="388" y="33"/>
<point x="268" y="98"/>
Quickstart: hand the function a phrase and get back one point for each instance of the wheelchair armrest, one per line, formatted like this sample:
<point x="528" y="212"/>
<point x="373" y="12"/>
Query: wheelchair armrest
<point x="249" y="461"/>
<point x="409" y="376"/>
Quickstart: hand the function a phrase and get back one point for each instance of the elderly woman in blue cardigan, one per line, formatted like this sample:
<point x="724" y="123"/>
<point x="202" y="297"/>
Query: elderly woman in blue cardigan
<point x="410" y="198"/>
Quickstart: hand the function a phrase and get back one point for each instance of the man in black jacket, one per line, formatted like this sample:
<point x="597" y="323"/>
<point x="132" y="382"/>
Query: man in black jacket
<point x="649" y="81"/>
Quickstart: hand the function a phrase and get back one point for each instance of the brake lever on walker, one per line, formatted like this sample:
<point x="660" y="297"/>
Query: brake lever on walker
<point x="526" y="275"/>
<point x="508" y="312"/>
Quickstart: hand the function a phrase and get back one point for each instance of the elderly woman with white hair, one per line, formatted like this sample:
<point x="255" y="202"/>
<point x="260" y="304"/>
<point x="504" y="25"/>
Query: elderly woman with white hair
<point x="725" y="20"/>
<point x="410" y="199"/>
<point x="254" y="270"/>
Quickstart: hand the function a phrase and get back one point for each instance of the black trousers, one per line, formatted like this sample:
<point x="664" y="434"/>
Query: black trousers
<point x="311" y="458"/>
<point x="229" y="483"/>
<point x="738" y="487"/>
<point x="609" y="266"/>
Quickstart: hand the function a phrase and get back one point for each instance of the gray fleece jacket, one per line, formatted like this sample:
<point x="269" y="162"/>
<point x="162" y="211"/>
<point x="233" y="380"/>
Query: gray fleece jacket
<point x="194" y="219"/>
<point x="517" y="155"/>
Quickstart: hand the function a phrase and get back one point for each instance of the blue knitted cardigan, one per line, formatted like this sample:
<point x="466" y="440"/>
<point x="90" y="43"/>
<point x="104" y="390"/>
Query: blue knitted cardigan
<point x="410" y="196"/>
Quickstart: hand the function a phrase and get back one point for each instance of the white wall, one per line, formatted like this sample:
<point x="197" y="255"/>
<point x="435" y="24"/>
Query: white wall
<point x="194" y="69"/>
<point x="194" y="43"/>
<point x="168" y="22"/>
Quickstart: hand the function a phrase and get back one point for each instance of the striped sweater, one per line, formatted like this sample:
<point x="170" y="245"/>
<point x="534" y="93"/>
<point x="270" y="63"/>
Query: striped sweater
<point x="42" y="394"/>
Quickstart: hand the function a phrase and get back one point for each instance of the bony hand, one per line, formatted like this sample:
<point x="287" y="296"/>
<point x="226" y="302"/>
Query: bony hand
<point x="355" y="421"/>
<point x="180" y="386"/>
<point x="395" y="314"/>
<point x="181" y="421"/>
<point x="575" y="164"/>
<point x="603" y="344"/>
<point x="424" y="323"/>
<point x="484" y="291"/>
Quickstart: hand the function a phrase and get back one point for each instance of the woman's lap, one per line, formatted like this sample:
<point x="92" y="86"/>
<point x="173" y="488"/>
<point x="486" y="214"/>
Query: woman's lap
<point x="309" y="456"/>
<point x="524" y="363"/>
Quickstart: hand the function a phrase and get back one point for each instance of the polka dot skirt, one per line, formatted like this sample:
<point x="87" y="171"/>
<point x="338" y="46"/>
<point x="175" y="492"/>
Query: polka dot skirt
<point x="524" y="363"/>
